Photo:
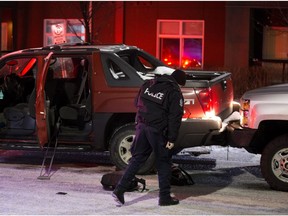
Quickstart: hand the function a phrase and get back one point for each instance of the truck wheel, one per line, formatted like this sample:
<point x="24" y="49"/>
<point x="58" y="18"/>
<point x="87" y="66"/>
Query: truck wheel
<point x="120" y="145"/>
<point x="274" y="163"/>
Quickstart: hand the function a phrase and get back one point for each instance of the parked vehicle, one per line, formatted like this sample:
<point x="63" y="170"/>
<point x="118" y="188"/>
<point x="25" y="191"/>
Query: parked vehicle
<point x="264" y="121"/>
<point x="88" y="92"/>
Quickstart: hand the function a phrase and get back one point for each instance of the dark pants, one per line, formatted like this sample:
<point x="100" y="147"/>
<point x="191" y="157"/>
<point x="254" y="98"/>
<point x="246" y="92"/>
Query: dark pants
<point x="149" y="139"/>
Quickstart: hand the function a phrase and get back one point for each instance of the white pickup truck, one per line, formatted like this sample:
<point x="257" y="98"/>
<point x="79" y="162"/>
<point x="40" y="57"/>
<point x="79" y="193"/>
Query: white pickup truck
<point x="264" y="130"/>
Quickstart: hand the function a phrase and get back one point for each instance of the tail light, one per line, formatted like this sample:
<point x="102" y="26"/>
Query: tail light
<point x="206" y="100"/>
<point x="186" y="113"/>
<point x="244" y="111"/>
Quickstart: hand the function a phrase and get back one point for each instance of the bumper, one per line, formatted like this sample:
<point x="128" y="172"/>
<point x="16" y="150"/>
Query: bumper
<point x="240" y="138"/>
<point x="204" y="132"/>
<point x="194" y="132"/>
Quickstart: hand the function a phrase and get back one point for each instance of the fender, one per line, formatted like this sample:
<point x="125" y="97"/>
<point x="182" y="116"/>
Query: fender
<point x="267" y="111"/>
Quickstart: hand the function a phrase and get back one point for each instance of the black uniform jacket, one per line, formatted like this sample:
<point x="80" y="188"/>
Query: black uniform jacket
<point x="160" y="105"/>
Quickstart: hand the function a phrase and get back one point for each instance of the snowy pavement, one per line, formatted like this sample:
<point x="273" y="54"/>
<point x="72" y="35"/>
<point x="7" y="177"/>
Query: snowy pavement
<point x="233" y="186"/>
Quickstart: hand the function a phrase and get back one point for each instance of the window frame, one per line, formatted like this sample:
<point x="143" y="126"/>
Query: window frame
<point x="275" y="42"/>
<point x="181" y="36"/>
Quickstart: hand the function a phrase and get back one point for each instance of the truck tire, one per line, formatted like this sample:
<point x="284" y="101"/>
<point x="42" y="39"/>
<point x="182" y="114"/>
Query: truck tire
<point x="120" y="144"/>
<point x="274" y="163"/>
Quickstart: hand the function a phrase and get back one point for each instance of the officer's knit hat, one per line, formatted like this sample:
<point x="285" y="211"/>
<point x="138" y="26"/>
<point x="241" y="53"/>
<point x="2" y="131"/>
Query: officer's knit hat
<point x="179" y="76"/>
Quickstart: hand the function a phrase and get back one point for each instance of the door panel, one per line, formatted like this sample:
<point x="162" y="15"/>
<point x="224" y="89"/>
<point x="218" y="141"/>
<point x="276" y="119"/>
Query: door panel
<point x="42" y="124"/>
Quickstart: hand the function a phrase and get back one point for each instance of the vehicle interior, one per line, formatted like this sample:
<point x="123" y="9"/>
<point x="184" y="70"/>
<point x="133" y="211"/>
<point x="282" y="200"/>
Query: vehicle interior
<point x="17" y="84"/>
<point x="68" y="97"/>
<point x="68" y="92"/>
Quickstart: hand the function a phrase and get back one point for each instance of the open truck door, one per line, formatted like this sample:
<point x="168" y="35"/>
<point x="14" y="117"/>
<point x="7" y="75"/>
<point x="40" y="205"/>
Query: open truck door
<point x="42" y="105"/>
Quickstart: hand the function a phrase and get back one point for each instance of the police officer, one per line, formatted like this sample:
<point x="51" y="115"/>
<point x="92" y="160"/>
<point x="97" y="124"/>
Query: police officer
<point x="159" y="112"/>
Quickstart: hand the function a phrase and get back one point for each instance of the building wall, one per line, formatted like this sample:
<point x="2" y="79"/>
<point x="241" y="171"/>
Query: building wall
<point x="29" y="21"/>
<point x="140" y="26"/>
<point x="104" y="28"/>
<point x="226" y="40"/>
<point x="237" y="36"/>
<point x="138" y="21"/>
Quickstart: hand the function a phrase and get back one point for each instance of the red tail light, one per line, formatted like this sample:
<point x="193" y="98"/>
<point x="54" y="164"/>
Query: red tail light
<point x="206" y="101"/>
<point x="187" y="113"/>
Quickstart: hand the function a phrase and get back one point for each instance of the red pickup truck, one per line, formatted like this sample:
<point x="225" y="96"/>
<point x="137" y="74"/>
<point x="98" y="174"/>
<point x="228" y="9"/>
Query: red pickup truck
<point x="85" y="93"/>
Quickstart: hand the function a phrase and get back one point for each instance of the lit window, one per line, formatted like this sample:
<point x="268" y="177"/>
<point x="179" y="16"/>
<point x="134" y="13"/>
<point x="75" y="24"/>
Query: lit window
<point x="58" y="31"/>
<point x="275" y="43"/>
<point x="4" y="36"/>
<point x="180" y="43"/>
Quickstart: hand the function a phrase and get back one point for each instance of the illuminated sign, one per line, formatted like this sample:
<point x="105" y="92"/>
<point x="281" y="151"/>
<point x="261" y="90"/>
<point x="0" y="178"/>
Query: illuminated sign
<point x="59" y="35"/>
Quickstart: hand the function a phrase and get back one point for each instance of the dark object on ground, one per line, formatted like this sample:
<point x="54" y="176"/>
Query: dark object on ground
<point x="180" y="177"/>
<point x="110" y="181"/>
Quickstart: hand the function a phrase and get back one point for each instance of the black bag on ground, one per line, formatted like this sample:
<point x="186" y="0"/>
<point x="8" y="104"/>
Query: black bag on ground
<point x="110" y="180"/>
<point x="180" y="177"/>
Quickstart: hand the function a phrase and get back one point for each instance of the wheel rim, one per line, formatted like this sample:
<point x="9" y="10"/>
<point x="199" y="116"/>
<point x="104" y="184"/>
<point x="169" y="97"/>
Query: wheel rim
<point x="124" y="148"/>
<point x="280" y="165"/>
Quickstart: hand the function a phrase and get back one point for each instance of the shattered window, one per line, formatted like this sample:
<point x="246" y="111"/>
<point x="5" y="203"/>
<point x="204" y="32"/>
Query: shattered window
<point x="116" y="71"/>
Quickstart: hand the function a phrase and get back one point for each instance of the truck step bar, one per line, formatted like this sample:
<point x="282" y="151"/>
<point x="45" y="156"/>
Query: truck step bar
<point x="49" y="155"/>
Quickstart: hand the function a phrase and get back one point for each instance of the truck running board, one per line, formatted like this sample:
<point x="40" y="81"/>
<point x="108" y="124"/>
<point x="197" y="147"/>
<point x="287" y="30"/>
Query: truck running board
<point x="48" y="159"/>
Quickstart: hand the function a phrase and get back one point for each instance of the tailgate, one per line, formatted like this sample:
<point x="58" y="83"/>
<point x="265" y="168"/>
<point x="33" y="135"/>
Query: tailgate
<point x="219" y="87"/>
<point x="222" y="95"/>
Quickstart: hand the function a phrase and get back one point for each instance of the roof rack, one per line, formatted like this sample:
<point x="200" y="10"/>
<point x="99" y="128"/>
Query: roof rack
<point x="58" y="46"/>
<point x="75" y="44"/>
<point x="52" y="47"/>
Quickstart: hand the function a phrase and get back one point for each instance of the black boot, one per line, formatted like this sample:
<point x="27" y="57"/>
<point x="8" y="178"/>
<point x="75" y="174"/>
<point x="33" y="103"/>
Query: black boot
<point x="118" y="195"/>
<point x="168" y="201"/>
